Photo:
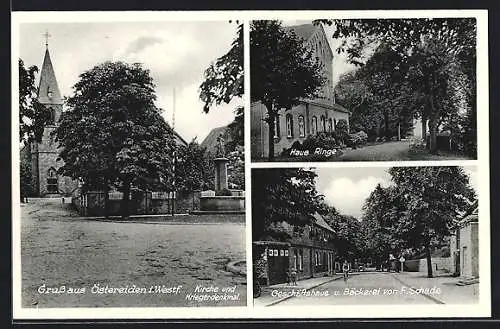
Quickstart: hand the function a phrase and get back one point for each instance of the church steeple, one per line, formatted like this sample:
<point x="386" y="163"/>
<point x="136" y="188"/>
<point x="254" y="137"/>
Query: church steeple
<point x="48" y="90"/>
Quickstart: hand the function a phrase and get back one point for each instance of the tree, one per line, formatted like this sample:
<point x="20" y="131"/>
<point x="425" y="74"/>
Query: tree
<point x="381" y="213"/>
<point x="283" y="202"/>
<point x="348" y="239"/>
<point x="448" y="41"/>
<point x="33" y="116"/>
<point x="113" y="134"/>
<point x="283" y="71"/>
<point x="25" y="180"/>
<point x="224" y="78"/>
<point x="431" y="198"/>
<point x="236" y="168"/>
<point x="195" y="168"/>
<point x="236" y="130"/>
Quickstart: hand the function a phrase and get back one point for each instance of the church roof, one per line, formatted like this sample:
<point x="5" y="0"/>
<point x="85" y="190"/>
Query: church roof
<point x="48" y="90"/>
<point x="210" y="141"/>
<point x="303" y="31"/>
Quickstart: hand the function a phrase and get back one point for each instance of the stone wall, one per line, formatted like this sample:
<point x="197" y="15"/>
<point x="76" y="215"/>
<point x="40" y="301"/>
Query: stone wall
<point x="92" y="203"/>
<point x="438" y="264"/>
<point x="222" y="203"/>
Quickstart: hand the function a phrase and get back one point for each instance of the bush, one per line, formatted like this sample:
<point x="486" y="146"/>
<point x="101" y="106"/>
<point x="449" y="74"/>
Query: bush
<point x="323" y="140"/>
<point x="356" y="139"/>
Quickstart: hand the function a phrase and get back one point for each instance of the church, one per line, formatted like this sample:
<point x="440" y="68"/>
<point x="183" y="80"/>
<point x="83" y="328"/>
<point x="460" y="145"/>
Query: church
<point x="43" y="156"/>
<point x="311" y="116"/>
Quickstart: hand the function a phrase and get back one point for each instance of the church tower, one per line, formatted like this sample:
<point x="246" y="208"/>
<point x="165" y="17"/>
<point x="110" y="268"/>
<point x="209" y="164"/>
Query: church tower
<point x="44" y="164"/>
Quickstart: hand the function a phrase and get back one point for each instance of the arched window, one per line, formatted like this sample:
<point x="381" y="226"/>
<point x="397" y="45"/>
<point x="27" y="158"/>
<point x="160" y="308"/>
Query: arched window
<point x="277" y="126"/>
<point x="289" y="125"/>
<point x="322" y="123"/>
<point x="301" y="259"/>
<point x="295" y="258"/>
<point x="330" y="127"/>
<point x="302" y="128"/>
<point x="314" y="124"/>
<point x="52" y="184"/>
<point x="52" y="119"/>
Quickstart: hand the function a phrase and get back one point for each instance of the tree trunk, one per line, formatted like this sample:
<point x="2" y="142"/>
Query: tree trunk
<point x="399" y="131"/>
<point x="433" y="124"/>
<point x="429" y="261"/>
<point x="106" y="200"/>
<point x="271" y="122"/>
<point x="424" y="128"/>
<point x="386" y="124"/>
<point x="125" y="200"/>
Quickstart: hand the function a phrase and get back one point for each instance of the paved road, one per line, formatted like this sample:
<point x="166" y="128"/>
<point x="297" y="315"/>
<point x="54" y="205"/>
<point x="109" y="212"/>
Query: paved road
<point x="79" y="254"/>
<point x="369" y="289"/>
<point x="389" y="151"/>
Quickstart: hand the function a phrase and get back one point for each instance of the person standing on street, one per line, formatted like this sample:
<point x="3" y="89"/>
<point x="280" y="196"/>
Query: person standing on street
<point x="345" y="269"/>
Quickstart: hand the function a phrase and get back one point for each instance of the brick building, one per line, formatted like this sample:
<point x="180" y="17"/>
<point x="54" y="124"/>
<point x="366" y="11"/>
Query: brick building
<point x="311" y="116"/>
<point x="312" y="254"/>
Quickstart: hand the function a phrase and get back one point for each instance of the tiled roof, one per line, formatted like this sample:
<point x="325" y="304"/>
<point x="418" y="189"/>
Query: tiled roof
<point x="48" y="83"/>
<point x="321" y="222"/>
<point x="303" y="31"/>
<point x="211" y="140"/>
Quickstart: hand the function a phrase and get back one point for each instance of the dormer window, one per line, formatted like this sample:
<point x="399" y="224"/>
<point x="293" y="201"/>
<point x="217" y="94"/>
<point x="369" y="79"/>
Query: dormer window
<point x="49" y="92"/>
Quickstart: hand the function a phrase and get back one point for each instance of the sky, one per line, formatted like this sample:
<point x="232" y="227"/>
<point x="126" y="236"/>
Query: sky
<point x="347" y="188"/>
<point x="176" y="53"/>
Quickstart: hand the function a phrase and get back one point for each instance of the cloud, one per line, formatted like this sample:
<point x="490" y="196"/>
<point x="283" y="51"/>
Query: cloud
<point x="348" y="196"/>
<point x="140" y="43"/>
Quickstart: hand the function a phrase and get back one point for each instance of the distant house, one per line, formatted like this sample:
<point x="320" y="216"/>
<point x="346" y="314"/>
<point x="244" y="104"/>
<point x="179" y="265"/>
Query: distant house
<point x="311" y="116"/>
<point x="464" y="244"/>
<point x="312" y="254"/>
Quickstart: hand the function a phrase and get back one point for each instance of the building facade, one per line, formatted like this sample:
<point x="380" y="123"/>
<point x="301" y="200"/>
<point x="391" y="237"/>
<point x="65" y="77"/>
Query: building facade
<point x="464" y="245"/>
<point x="311" y="254"/>
<point x="311" y="116"/>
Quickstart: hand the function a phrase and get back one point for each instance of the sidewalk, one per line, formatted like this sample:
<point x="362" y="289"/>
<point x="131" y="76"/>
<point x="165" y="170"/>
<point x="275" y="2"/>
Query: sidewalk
<point x="267" y="298"/>
<point x="442" y="289"/>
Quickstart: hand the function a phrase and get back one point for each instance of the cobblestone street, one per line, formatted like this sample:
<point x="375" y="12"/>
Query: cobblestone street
<point x="156" y="258"/>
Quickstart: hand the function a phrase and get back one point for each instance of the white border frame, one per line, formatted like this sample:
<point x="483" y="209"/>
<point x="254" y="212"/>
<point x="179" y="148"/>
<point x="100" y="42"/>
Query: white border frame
<point x="481" y="309"/>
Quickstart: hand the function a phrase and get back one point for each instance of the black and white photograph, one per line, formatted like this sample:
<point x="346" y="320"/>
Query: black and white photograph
<point x="365" y="236"/>
<point x="363" y="89"/>
<point x="131" y="169"/>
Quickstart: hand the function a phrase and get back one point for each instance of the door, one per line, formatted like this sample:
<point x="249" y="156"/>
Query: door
<point x="278" y="262"/>
<point x="465" y="265"/>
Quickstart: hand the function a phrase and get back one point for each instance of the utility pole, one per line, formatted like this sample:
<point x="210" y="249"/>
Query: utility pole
<point x="174" y="194"/>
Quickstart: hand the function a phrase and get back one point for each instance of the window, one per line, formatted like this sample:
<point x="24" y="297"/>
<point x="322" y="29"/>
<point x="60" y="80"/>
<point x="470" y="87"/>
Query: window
<point x="334" y="124"/>
<point x="277" y="126"/>
<point x="52" y="185"/>
<point x="322" y="123"/>
<point x="289" y="125"/>
<point x="296" y="259"/>
<point x="330" y="127"/>
<point x="301" y="260"/>
<point x="302" y="128"/>
<point x="314" y="128"/>
<point x="52" y="119"/>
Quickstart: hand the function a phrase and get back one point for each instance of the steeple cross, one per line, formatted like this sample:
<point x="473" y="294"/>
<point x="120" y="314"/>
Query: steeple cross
<point x="47" y="36"/>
